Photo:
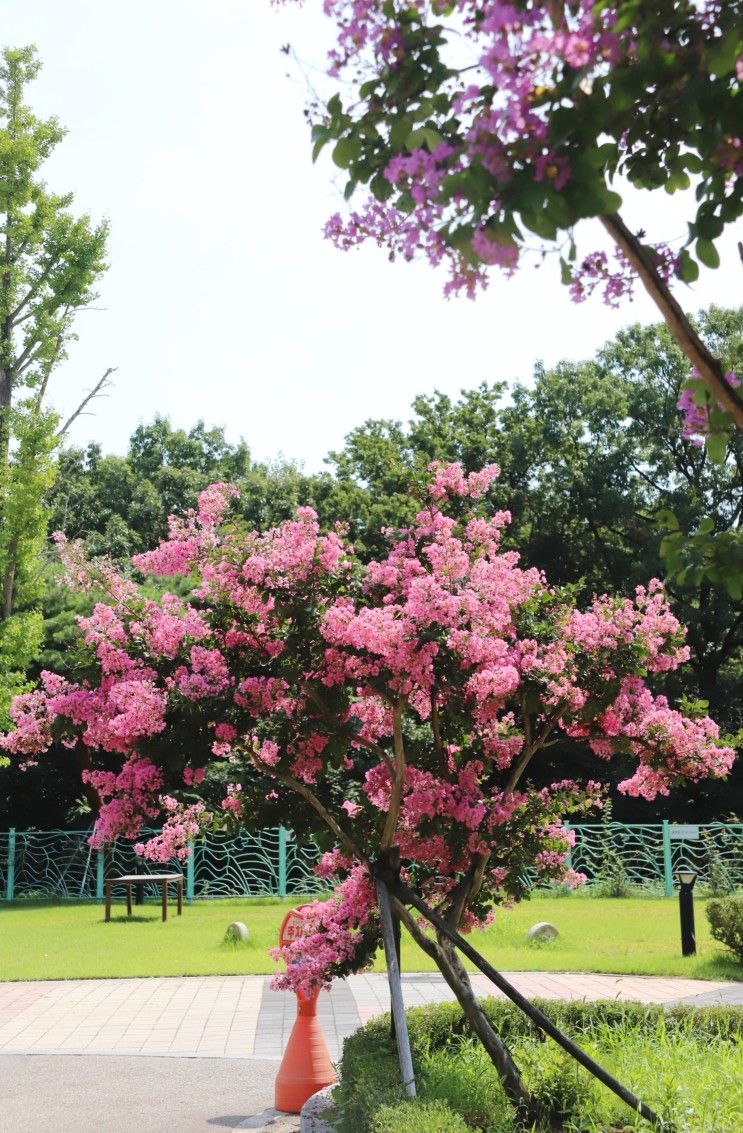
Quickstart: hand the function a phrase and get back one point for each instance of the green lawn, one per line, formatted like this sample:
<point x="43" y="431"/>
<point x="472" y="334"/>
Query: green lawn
<point x="41" y="940"/>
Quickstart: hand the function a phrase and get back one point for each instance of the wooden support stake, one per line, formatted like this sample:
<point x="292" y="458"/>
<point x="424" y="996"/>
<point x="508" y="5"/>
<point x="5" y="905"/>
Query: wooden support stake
<point x="405" y="894"/>
<point x="398" y="1007"/>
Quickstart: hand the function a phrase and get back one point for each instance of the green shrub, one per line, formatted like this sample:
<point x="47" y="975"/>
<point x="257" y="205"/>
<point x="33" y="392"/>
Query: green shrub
<point x="469" y="1085"/>
<point x="725" y="918"/>
<point x="443" y="1026"/>
<point x="558" y="1085"/>
<point x="416" y="1116"/>
<point x="369" y="1080"/>
<point x="625" y="1037"/>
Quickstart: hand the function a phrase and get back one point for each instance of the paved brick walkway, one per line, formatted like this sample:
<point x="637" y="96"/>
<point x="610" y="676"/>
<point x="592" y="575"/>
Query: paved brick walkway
<point x="240" y="1017"/>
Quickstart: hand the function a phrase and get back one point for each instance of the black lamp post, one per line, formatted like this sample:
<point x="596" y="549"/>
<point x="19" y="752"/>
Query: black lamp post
<point x="687" y="877"/>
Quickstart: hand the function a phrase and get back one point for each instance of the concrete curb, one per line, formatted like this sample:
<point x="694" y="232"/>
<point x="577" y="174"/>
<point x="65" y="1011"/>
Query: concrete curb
<point x="311" y="1117"/>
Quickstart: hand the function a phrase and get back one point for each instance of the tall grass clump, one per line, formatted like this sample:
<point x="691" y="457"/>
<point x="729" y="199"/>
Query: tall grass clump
<point x="685" y="1063"/>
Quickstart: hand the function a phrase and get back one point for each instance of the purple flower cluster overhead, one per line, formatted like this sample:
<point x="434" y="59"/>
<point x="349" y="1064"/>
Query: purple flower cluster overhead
<point x="485" y="128"/>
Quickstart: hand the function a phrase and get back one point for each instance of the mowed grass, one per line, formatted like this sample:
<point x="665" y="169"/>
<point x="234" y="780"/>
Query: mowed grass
<point x="44" y="940"/>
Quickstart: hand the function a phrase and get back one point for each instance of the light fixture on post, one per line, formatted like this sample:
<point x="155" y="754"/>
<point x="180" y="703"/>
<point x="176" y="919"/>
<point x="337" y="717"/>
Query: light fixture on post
<point x="686" y="878"/>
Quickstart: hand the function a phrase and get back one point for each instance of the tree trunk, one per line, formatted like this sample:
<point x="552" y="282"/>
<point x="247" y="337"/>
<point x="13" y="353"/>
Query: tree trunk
<point x="458" y="980"/>
<point x="84" y="763"/>
<point x="9" y="578"/>
<point x="448" y="963"/>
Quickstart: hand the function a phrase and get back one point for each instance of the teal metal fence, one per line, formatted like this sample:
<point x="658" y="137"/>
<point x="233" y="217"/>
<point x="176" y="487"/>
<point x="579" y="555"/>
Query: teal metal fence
<point x="60" y="863"/>
<point x="651" y="854"/>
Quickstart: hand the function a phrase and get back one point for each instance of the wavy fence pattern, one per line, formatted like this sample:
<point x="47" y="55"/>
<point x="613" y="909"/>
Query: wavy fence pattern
<point x="61" y="864"/>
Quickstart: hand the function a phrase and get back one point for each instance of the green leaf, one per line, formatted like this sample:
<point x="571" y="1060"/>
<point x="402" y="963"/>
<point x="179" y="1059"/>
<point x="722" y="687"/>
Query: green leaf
<point x="345" y="151"/>
<point x="693" y="162"/>
<point x="612" y="201"/>
<point x="423" y="136"/>
<point x="721" y="58"/>
<point x="540" y="224"/>
<point x="688" y="267"/>
<point x="318" y="147"/>
<point x="707" y="253"/>
<point x="677" y="180"/>
<point x="667" y="519"/>
<point x="566" y="274"/>
<point x="399" y="131"/>
<point x="734" y="584"/>
<point x="717" y="447"/>
<point x="381" y="187"/>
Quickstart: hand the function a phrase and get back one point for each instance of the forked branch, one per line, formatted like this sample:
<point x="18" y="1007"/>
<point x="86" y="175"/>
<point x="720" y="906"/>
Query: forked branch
<point x="97" y="390"/>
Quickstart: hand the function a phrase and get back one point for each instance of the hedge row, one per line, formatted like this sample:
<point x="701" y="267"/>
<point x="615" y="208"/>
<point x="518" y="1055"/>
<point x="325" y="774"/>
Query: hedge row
<point x="370" y="1097"/>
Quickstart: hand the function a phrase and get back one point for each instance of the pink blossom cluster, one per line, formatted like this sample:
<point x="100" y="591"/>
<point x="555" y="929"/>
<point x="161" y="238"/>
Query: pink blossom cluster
<point x="126" y="706"/>
<point x="695" y="403"/>
<point x="182" y="824"/>
<point x="450" y="479"/>
<point x="189" y="535"/>
<point x="529" y="65"/>
<point x="670" y="747"/>
<point x="86" y="576"/>
<point x="333" y="935"/>
<point x="232" y="801"/>
<point x="594" y="271"/>
<point x="129" y="799"/>
<point x="647" y="624"/>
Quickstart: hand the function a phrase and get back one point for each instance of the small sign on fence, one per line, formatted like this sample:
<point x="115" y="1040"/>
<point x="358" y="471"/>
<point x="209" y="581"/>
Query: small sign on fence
<point x="687" y="833"/>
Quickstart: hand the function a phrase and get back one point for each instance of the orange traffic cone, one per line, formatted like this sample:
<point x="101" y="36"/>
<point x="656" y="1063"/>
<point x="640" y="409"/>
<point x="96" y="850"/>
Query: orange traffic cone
<point x="306" y="1066"/>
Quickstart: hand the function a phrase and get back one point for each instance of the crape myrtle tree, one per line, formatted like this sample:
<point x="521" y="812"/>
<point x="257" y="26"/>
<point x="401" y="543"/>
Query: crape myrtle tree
<point x="480" y="130"/>
<point x="397" y="705"/>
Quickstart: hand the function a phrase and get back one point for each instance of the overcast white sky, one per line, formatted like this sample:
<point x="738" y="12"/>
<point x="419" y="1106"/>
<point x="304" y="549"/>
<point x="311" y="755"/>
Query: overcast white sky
<point x="223" y="301"/>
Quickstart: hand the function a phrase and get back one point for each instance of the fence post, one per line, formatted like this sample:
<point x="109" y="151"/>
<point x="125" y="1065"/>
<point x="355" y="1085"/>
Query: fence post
<point x="190" y="872"/>
<point x="100" y="867"/>
<point x="667" y="859"/>
<point x="11" y="864"/>
<point x="282" y="861"/>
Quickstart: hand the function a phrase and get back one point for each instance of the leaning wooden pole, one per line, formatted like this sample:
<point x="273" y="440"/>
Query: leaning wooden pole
<point x="398" y="1007"/>
<point x="409" y="897"/>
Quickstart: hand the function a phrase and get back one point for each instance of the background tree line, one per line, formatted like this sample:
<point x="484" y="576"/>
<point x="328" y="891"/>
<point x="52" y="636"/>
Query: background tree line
<point x="592" y="454"/>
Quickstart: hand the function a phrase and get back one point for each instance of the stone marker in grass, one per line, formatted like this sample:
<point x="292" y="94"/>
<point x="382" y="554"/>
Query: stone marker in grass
<point x="542" y="930"/>
<point x="236" y="932"/>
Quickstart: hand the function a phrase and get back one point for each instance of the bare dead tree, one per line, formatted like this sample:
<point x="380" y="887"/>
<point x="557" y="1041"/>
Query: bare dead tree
<point x="102" y="384"/>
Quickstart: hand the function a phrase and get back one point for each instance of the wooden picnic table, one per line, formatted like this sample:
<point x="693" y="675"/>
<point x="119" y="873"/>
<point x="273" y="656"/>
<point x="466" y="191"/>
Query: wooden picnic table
<point x="142" y="879"/>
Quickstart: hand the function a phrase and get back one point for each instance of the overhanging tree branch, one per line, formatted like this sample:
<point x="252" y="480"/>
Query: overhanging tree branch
<point x="709" y="368"/>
